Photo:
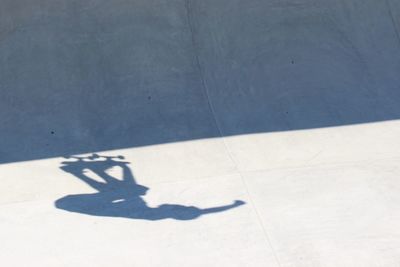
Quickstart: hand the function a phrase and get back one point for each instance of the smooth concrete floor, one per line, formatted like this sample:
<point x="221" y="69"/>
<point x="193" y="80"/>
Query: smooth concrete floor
<point x="200" y="133"/>
<point x="316" y="205"/>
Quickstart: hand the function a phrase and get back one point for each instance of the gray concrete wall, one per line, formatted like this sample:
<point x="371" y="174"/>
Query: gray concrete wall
<point x="84" y="76"/>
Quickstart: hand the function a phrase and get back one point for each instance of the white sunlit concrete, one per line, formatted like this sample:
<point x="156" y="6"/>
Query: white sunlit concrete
<point x="316" y="205"/>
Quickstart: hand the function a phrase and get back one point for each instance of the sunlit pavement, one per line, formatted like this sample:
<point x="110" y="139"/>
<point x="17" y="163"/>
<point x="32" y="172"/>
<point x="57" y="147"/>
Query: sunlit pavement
<point x="325" y="197"/>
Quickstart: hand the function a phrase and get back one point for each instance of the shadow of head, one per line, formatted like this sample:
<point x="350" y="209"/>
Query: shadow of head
<point x="120" y="197"/>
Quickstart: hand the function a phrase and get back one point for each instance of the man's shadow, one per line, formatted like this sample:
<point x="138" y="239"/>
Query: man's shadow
<point x="121" y="197"/>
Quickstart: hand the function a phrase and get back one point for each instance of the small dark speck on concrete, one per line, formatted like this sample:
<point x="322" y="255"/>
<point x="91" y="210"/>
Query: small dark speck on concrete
<point x="149" y="98"/>
<point x="292" y="61"/>
<point x="52" y="132"/>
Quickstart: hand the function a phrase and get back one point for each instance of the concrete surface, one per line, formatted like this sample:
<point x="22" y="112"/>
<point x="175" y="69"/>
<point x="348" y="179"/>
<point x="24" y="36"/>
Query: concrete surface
<point x="199" y="133"/>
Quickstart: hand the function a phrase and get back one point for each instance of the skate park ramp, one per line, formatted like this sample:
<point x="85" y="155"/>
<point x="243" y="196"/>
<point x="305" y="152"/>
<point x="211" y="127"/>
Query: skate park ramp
<point x="84" y="76"/>
<point x="240" y="133"/>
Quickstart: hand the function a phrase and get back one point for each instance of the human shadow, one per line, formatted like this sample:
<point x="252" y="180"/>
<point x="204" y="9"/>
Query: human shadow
<point x="121" y="197"/>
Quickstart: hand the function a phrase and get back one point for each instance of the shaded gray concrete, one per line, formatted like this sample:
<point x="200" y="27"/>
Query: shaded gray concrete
<point x="85" y="76"/>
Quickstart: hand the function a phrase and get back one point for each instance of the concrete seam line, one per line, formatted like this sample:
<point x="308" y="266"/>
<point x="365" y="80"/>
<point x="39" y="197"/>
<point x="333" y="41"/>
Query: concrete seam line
<point x="198" y="66"/>
<point x="396" y="30"/>
<point x="211" y="107"/>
